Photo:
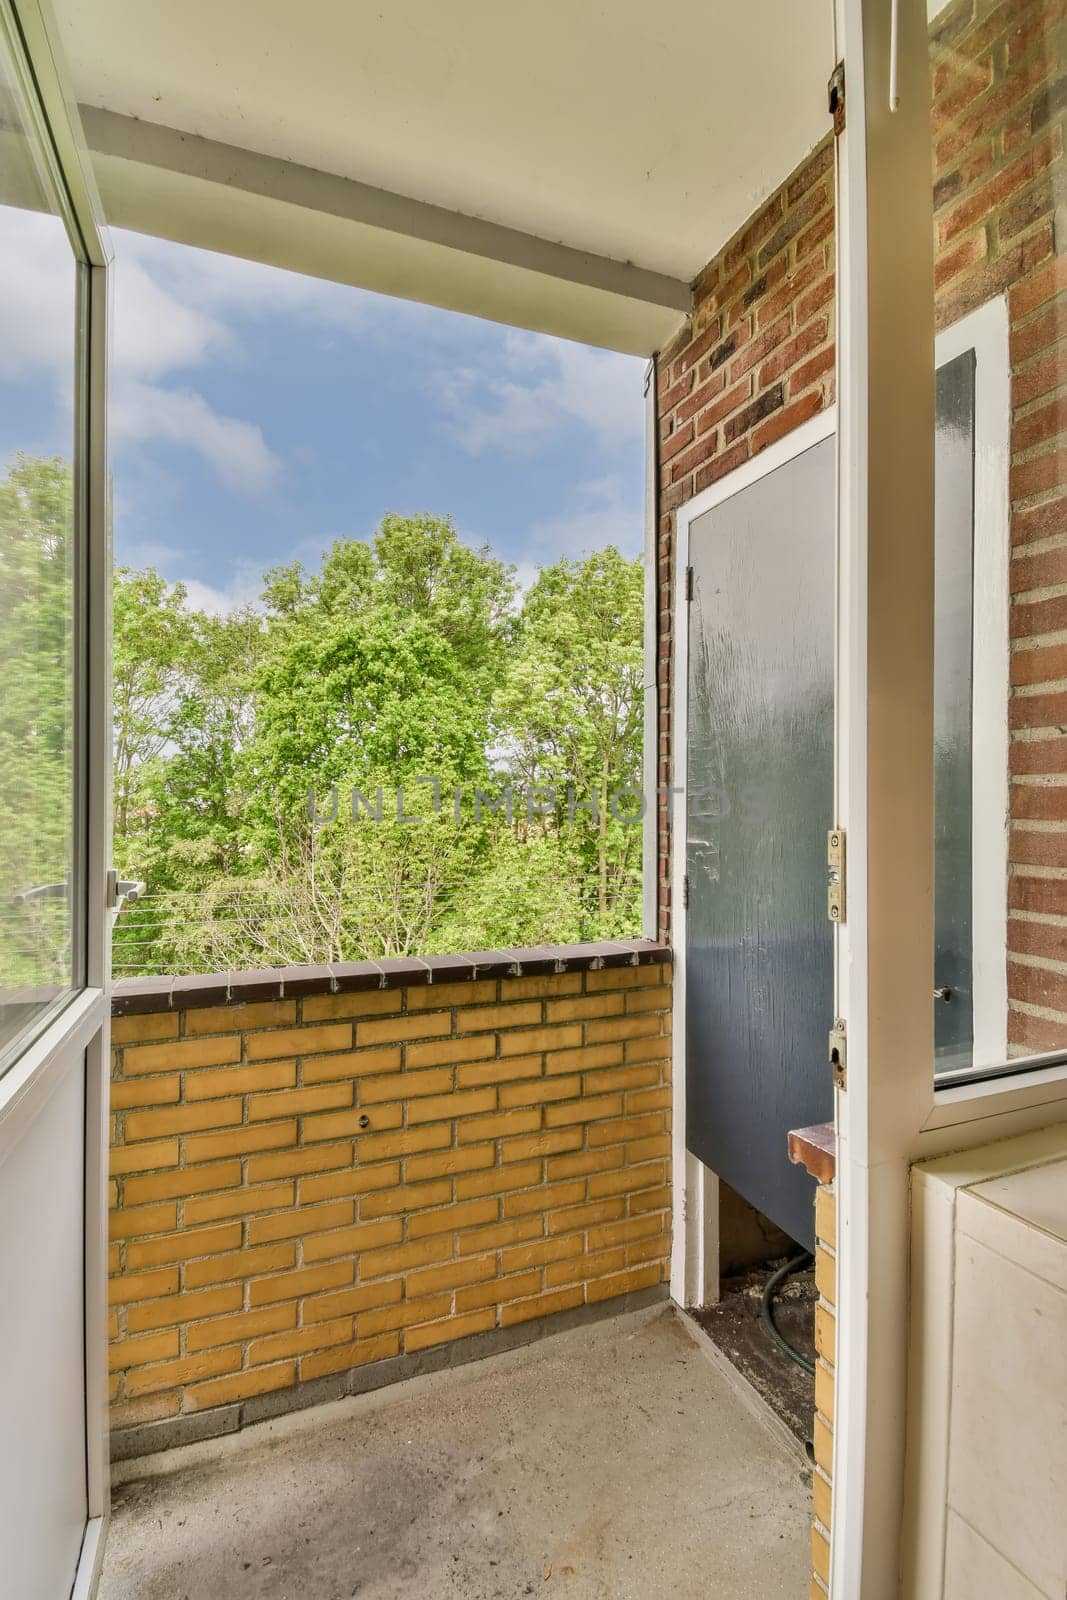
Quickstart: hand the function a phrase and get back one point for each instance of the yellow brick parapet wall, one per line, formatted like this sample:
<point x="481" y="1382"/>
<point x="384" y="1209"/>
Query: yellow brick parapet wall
<point x="308" y="1177"/>
<point x="826" y="1356"/>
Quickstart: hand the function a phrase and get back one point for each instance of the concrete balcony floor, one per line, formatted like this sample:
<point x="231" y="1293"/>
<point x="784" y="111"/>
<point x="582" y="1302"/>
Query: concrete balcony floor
<point x="611" y="1462"/>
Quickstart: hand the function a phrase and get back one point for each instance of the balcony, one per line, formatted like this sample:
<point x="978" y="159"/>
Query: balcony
<point x="579" y="1465"/>
<point x="389" y="1310"/>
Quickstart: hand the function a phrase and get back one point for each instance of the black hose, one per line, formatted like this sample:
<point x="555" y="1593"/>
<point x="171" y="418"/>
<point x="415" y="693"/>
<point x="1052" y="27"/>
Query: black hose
<point x="795" y="1264"/>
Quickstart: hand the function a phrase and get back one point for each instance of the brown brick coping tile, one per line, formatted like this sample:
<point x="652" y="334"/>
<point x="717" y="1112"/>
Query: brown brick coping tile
<point x="815" y="1149"/>
<point x="133" y="996"/>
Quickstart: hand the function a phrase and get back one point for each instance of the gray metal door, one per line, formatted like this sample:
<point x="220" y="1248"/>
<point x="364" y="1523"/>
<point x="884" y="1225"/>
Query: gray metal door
<point x="759" y="947"/>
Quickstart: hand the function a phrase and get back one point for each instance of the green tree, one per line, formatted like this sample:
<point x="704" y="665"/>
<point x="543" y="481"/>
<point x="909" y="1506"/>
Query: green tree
<point x="36" y="720"/>
<point x="152" y="639"/>
<point x="570" y="711"/>
<point x="403" y="658"/>
<point x="378" y="672"/>
<point x="198" y="800"/>
<point x="182" y="714"/>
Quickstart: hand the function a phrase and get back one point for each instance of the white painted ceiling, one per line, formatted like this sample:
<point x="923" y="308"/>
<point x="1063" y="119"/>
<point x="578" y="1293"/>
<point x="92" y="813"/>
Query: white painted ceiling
<point x="643" y="132"/>
<point x="640" y="132"/>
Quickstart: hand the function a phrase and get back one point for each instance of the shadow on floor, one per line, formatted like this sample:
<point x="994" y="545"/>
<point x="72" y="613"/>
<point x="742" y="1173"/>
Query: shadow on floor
<point x="734" y="1327"/>
<point x="614" y="1462"/>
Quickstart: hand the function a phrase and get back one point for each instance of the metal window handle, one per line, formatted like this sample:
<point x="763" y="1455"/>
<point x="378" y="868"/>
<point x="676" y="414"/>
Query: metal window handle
<point x="41" y="891"/>
<point x="120" y="889"/>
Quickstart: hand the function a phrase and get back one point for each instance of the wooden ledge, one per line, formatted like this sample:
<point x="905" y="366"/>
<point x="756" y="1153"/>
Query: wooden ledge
<point x="815" y="1149"/>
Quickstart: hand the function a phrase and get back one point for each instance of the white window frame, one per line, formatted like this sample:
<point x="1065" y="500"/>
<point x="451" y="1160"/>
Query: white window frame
<point x="985" y="331"/>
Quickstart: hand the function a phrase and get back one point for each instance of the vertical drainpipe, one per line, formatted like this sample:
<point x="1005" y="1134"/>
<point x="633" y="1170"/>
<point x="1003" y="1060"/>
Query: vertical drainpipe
<point x="650" y="842"/>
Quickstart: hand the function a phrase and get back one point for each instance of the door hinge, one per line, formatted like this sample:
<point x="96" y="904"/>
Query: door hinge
<point x="688" y="583"/>
<point x="839" y="1053"/>
<point x="685" y="892"/>
<point x="835" y="870"/>
<point x="835" y="96"/>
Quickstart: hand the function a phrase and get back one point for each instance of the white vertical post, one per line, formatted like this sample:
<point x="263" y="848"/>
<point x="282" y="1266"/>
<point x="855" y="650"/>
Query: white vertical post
<point x="650" y="761"/>
<point x="98" y="741"/>
<point x="884" y="755"/>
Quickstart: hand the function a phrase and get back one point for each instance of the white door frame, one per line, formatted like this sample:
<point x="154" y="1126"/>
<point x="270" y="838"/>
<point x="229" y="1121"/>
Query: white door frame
<point x="650" y="701"/>
<point x="890" y="1115"/>
<point x="83" y="1024"/>
<point x="695" y="1189"/>
<point x="694" y="1261"/>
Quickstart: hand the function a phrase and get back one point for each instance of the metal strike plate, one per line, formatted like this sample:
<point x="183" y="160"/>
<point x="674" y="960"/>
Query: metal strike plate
<point x="839" y="1053"/>
<point x="835" y="868"/>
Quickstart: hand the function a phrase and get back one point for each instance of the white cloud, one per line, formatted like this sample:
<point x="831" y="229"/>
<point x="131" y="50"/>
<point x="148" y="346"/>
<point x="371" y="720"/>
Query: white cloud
<point x="243" y="589"/>
<point x="601" y="514"/>
<point x="526" y="575"/>
<point x="37" y="306"/>
<point x="178" y="309"/>
<point x="149" y="553"/>
<point x="533" y="387"/>
<point x="223" y="287"/>
<point x="155" y="332"/>
<point x="236" y="449"/>
<point x="159" y="332"/>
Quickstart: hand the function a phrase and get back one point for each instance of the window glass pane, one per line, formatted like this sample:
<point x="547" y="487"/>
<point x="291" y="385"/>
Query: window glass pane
<point x="38" y="316"/>
<point x="953" y="694"/>
<point x="1000" y="972"/>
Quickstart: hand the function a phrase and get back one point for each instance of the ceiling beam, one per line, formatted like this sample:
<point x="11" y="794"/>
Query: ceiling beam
<point x="177" y="185"/>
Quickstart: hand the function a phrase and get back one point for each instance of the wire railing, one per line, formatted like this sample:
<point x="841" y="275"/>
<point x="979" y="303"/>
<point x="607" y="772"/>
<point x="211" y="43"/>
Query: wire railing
<point x="239" y="927"/>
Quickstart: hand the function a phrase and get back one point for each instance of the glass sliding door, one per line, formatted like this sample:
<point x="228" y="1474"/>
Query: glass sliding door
<point x="41" y="903"/>
<point x="54" y="757"/>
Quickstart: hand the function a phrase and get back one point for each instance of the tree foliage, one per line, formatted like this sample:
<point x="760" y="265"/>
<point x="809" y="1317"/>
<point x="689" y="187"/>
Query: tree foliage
<point x="461" y="745"/>
<point x="570" y="706"/>
<point x="36" y="723"/>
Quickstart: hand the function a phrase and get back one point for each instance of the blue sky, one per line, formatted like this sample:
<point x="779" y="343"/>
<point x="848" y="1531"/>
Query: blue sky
<point x="257" y="415"/>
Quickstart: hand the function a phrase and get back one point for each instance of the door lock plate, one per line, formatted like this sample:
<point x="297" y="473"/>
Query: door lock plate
<point x="835" y="869"/>
<point x="835" y="98"/>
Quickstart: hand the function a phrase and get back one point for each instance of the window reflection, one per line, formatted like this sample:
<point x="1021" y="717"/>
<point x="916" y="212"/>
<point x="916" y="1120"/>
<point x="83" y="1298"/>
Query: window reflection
<point x="1000" y="977"/>
<point x="38" y="315"/>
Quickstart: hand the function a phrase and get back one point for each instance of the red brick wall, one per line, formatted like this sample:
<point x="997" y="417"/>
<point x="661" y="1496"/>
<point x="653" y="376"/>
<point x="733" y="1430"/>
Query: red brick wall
<point x="757" y="360"/>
